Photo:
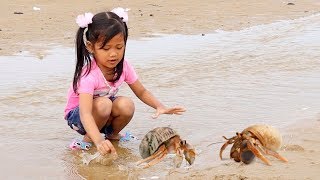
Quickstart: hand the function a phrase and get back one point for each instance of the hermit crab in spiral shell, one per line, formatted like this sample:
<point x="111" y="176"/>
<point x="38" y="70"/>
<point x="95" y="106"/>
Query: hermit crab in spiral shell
<point x="255" y="140"/>
<point x="161" y="141"/>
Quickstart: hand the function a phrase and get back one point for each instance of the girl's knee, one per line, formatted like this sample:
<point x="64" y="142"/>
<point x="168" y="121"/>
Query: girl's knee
<point x="123" y="106"/>
<point x="102" y="106"/>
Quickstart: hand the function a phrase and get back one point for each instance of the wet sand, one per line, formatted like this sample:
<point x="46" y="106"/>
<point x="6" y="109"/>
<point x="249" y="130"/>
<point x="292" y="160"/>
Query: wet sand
<point x="54" y="24"/>
<point x="301" y="148"/>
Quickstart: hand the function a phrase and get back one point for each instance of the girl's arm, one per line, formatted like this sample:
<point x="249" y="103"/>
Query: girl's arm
<point x="89" y="124"/>
<point x="146" y="96"/>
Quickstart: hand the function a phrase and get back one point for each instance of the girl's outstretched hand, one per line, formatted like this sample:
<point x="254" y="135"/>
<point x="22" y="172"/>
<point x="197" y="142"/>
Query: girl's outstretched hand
<point x="106" y="147"/>
<point x="163" y="110"/>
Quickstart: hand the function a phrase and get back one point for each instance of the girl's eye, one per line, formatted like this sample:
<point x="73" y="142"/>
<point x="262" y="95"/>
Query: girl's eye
<point x="108" y="48"/>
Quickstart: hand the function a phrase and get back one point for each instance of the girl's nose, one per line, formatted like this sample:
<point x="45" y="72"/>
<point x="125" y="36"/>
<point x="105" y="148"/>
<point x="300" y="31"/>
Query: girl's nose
<point x="113" y="54"/>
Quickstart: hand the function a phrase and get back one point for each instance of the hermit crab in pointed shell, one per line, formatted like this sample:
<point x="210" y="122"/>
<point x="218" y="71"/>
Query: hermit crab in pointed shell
<point x="161" y="141"/>
<point x="255" y="140"/>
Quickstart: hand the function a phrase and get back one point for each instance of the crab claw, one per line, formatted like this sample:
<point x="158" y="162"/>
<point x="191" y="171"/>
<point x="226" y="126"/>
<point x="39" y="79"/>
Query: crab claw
<point x="246" y="154"/>
<point x="188" y="151"/>
<point x="189" y="154"/>
<point x="178" y="160"/>
<point x="235" y="155"/>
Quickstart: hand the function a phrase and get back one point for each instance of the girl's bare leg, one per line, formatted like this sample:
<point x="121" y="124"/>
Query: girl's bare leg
<point x="121" y="114"/>
<point x="101" y="111"/>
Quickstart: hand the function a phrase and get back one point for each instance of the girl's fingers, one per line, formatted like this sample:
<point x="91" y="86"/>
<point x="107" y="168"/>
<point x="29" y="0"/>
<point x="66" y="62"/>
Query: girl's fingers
<point x="179" y="107"/>
<point x="110" y="147"/>
<point x="155" y="115"/>
<point x="174" y="110"/>
<point x="181" y="110"/>
<point x="106" y="147"/>
<point x="101" y="149"/>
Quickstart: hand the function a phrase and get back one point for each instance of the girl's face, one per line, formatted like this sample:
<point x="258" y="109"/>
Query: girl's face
<point x="111" y="54"/>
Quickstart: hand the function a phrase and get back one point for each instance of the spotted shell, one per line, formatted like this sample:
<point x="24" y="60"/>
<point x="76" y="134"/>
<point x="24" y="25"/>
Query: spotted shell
<point x="269" y="136"/>
<point x="154" y="139"/>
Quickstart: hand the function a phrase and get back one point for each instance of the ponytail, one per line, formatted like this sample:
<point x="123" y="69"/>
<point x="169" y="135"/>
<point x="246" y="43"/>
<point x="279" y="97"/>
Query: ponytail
<point x="83" y="58"/>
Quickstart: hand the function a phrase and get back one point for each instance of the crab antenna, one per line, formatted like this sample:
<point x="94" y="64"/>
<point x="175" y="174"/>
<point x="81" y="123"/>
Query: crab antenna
<point x="215" y="143"/>
<point x="225" y="138"/>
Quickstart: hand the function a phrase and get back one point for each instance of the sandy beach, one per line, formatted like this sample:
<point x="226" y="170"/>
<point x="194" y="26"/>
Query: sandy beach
<point x="26" y="25"/>
<point x="36" y="26"/>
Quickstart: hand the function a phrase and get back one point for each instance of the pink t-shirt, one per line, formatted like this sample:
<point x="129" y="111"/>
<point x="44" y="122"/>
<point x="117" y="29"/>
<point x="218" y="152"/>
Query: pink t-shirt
<point x="94" y="83"/>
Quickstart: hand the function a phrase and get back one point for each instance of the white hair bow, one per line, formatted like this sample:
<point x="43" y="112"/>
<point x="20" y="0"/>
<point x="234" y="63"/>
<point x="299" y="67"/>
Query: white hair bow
<point x="84" y="19"/>
<point x="122" y="13"/>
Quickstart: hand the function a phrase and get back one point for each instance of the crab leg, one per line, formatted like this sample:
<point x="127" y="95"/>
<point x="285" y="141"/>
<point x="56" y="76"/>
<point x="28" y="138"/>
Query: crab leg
<point x="256" y="152"/>
<point x="273" y="153"/>
<point x="157" y="159"/>
<point x="230" y="141"/>
<point x="153" y="156"/>
<point x="179" y="157"/>
<point x="223" y="147"/>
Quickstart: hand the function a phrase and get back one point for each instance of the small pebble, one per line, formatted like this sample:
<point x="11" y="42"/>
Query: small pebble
<point x="36" y="9"/>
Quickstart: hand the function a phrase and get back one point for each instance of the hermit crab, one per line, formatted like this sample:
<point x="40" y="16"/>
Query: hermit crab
<point x="255" y="140"/>
<point x="161" y="141"/>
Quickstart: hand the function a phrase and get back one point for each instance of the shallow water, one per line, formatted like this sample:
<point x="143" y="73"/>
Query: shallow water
<point x="226" y="80"/>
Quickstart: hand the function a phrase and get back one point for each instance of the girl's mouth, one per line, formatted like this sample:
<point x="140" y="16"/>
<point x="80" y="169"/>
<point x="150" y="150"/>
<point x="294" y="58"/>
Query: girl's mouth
<point x="112" y="61"/>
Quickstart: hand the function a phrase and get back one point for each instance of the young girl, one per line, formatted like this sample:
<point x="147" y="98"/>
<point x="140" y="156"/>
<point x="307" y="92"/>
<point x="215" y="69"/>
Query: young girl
<point x="92" y="106"/>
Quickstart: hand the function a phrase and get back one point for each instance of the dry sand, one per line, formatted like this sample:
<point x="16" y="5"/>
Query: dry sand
<point x="25" y="29"/>
<point x="54" y="23"/>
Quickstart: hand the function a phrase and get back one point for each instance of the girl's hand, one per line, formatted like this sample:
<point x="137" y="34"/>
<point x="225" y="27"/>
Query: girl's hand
<point x="106" y="147"/>
<point x="174" y="110"/>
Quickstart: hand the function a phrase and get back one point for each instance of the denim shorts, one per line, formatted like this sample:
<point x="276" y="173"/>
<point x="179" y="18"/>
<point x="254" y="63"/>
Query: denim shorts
<point x="73" y="118"/>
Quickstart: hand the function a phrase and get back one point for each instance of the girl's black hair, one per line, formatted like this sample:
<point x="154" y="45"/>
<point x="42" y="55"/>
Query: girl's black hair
<point x="104" y="25"/>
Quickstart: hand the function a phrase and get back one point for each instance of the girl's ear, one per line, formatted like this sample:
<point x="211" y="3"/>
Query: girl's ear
<point x="89" y="47"/>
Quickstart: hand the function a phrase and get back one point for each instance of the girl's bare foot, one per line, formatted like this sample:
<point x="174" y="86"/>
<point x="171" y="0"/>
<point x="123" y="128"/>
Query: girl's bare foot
<point x="113" y="137"/>
<point x="87" y="139"/>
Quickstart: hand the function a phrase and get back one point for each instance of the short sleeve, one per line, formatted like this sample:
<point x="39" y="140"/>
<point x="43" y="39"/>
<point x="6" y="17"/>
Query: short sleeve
<point x="86" y="85"/>
<point x="130" y="74"/>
